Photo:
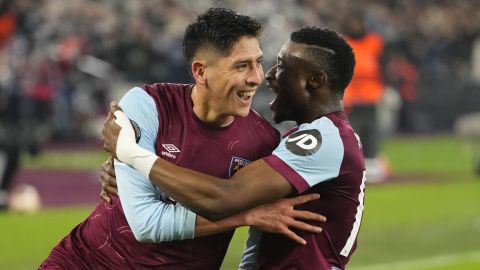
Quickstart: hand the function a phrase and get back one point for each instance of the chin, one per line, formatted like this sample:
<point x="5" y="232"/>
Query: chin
<point x="277" y="119"/>
<point x="242" y="112"/>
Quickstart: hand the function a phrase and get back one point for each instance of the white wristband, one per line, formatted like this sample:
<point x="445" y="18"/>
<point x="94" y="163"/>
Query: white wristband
<point x="143" y="161"/>
<point x="128" y="151"/>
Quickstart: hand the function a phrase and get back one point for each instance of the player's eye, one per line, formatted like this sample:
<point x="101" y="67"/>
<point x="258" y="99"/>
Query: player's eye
<point x="241" y="66"/>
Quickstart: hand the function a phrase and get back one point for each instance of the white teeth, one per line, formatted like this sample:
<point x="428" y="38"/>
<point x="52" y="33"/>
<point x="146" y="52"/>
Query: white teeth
<point x="243" y="94"/>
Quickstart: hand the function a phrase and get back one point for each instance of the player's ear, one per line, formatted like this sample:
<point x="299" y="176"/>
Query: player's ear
<point x="317" y="80"/>
<point x="198" y="72"/>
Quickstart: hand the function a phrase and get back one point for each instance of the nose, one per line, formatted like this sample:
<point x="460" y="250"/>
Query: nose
<point x="270" y="76"/>
<point x="255" y="76"/>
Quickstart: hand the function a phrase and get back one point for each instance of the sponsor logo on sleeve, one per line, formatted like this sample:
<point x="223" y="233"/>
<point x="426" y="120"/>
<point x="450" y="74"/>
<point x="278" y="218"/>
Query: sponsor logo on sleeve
<point x="304" y="142"/>
<point x="236" y="164"/>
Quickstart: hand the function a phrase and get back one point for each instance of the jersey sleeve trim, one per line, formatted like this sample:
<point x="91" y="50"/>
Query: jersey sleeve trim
<point x="295" y="179"/>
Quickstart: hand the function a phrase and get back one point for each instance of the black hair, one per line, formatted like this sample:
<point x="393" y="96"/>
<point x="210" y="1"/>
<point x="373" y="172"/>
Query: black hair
<point x="339" y="63"/>
<point x="219" y="29"/>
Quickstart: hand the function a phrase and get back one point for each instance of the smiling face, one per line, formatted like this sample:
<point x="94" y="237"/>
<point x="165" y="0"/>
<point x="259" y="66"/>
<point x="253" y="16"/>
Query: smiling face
<point x="288" y="80"/>
<point x="232" y="80"/>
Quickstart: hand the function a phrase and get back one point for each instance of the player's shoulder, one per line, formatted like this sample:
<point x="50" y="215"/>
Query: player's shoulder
<point x="323" y="124"/>
<point x="254" y="115"/>
<point x="135" y="97"/>
<point x="254" y="118"/>
<point x="161" y="86"/>
<point x="334" y="120"/>
<point x="140" y="109"/>
<point x="327" y="128"/>
<point x="336" y="127"/>
<point x="265" y="136"/>
<point x="165" y="90"/>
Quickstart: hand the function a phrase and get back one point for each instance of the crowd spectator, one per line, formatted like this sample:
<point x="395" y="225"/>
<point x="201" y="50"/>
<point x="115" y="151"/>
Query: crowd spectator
<point x="139" y="40"/>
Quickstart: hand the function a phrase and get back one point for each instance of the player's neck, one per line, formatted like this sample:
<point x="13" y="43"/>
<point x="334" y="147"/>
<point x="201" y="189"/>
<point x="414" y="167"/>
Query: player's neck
<point x="207" y="112"/>
<point x="320" y="109"/>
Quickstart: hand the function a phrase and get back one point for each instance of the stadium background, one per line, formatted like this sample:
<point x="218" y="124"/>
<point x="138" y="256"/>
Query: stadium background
<point x="61" y="64"/>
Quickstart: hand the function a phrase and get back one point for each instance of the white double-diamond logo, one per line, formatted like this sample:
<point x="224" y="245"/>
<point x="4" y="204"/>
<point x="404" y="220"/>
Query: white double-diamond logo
<point x="170" y="148"/>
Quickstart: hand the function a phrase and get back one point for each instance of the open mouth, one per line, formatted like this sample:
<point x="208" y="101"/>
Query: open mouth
<point x="245" y="95"/>
<point x="273" y="104"/>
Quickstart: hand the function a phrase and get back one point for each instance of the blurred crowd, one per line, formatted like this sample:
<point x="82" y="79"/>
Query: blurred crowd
<point x="60" y="61"/>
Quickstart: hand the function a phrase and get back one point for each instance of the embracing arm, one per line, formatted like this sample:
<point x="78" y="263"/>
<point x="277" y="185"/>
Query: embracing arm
<point x="153" y="219"/>
<point x="276" y="217"/>
<point x="209" y="196"/>
<point x="215" y="198"/>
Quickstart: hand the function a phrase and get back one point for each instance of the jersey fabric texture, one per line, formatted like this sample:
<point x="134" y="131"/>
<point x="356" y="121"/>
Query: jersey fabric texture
<point x="323" y="157"/>
<point x="105" y="240"/>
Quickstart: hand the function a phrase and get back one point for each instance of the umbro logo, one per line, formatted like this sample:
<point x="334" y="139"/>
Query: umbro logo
<point x="170" y="149"/>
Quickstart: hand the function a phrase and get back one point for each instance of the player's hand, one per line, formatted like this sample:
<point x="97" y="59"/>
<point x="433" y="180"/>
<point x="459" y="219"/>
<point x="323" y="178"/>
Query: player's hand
<point x="111" y="130"/>
<point x="108" y="180"/>
<point x="280" y="217"/>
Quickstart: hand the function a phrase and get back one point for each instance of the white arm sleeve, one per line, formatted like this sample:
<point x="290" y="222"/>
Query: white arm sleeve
<point x="150" y="217"/>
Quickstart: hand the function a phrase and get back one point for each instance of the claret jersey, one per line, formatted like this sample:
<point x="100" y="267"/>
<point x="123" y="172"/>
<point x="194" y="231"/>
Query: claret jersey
<point x="162" y="115"/>
<point x="323" y="157"/>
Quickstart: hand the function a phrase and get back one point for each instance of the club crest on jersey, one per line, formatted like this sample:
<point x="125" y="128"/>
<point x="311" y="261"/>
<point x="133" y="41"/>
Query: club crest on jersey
<point x="236" y="164"/>
<point x="304" y="142"/>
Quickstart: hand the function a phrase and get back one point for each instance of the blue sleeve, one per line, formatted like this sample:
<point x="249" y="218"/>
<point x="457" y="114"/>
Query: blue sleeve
<point x="314" y="152"/>
<point x="151" y="217"/>
<point x="250" y="253"/>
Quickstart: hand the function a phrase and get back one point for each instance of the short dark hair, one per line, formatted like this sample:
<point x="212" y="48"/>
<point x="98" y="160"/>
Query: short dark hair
<point x="218" y="28"/>
<point x="339" y="65"/>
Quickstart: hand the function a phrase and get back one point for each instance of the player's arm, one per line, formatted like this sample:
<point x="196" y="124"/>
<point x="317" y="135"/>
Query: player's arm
<point x="277" y="217"/>
<point x="209" y="196"/>
<point x="152" y="219"/>
<point x="257" y="183"/>
<point x="216" y="198"/>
